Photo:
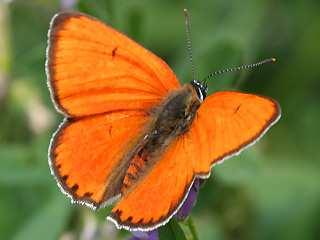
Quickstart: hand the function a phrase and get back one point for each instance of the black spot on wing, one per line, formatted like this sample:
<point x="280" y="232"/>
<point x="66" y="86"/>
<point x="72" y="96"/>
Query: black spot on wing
<point x="88" y="194"/>
<point x="65" y="177"/>
<point x="237" y="109"/>
<point x="74" y="188"/>
<point x="114" y="51"/>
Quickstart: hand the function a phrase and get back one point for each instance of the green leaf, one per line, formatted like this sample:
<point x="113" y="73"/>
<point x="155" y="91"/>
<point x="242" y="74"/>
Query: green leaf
<point x="166" y="232"/>
<point x="177" y="230"/>
<point x="184" y="230"/>
<point x="188" y="229"/>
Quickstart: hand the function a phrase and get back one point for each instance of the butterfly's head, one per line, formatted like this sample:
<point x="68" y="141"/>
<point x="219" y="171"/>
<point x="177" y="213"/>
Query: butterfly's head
<point x="201" y="88"/>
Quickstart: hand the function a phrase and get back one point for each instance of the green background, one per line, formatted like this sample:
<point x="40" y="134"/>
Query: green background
<point x="270" y="191"/>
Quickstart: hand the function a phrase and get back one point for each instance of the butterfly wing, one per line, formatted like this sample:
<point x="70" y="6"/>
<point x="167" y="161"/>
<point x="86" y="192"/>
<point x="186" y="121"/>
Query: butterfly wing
<point x="85" y="155"/>
<point x="159" y="194"/>
<point x="93" y="69"/>
<point x="227" y="122"/>
<point x="104" y="83"/>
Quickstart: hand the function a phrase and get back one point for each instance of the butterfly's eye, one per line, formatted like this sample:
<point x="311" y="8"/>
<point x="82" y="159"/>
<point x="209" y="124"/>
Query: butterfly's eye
<point x="201" y="89"/>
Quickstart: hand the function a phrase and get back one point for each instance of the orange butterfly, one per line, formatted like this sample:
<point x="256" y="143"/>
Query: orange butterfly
<point x="131" y="132"/>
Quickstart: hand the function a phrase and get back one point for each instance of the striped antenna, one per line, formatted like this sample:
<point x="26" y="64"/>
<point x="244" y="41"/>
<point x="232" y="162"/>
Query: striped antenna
<point x="189" y="42"/>
<point x="239" y="68"/>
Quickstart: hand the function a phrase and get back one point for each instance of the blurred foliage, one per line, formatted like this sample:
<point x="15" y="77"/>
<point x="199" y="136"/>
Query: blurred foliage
<point x="268" y="192"/>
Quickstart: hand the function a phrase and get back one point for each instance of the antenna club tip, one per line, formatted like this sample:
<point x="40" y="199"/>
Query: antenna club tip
<point x="273" y="59"/>
<point x="185" y="10"/>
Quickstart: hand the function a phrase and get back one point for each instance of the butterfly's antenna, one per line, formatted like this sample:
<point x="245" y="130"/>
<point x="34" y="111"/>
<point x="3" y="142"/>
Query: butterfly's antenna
<point x="189" y="42"/>
<point x="239" y="68"/>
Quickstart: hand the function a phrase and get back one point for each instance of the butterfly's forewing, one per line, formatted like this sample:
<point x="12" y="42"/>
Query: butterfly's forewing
<point x="92" y="68"/>
<point x="85" y="155"/>
<point x="105" y="84"/>
<point x="227" y="122"/>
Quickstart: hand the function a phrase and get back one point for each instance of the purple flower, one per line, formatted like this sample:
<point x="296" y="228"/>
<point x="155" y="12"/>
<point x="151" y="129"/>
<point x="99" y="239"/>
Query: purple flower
<point x="152" y="235"/>
<point x="68" y="4"/>
<point x="190" y="201"/>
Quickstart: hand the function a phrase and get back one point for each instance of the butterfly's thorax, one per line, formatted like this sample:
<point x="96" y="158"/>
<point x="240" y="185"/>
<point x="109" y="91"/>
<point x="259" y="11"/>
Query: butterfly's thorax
<point x="175" y="115"/>
<point x="170" y="119"/>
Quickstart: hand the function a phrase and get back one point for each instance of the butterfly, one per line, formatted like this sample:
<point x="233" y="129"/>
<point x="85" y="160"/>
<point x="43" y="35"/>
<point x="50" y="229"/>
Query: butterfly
<point x="132" y="134"/>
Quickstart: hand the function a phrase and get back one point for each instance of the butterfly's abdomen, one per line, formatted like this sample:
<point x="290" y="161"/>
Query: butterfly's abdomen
<point x="170" y="120"/>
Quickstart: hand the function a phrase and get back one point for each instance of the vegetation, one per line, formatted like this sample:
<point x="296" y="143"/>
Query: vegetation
<point x="270" y="191"/>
